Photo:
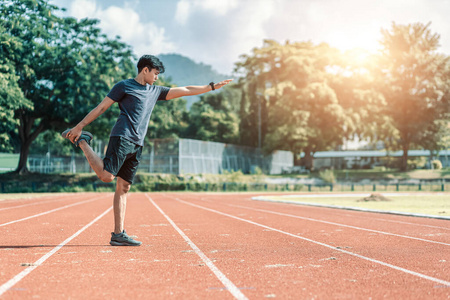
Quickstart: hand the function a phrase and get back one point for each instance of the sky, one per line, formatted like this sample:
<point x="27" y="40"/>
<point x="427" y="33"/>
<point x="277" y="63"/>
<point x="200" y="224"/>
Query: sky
<point x="218" y="32"/>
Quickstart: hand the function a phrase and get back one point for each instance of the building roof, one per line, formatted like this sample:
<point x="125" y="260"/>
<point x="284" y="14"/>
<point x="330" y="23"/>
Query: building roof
<point x="374" y="153"/>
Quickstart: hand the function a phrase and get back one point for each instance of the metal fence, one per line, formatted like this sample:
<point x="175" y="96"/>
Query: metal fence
<point x="179" y="156"/>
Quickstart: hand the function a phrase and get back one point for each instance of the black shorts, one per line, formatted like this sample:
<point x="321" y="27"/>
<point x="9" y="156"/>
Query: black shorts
<point x="122" y="158"/>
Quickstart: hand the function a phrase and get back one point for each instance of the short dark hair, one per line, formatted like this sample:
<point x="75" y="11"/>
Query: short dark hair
<point x="150" y="61"/>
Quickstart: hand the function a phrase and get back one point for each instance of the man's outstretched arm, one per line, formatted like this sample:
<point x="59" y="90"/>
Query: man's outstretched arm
<point x="192" y="90"/>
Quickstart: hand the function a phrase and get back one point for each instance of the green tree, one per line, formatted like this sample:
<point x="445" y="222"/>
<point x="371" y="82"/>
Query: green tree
<point x="64" y="67"/>
<point x="11" y="96"/>
<point x="299" y="110"/>
<point x="214" y="118"/>
<point x="357" y="87"/>
<point x="416" y="94"/>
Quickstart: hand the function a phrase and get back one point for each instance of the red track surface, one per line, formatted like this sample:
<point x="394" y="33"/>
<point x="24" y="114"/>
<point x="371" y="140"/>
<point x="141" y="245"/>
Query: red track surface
<point x="217" y="246"/>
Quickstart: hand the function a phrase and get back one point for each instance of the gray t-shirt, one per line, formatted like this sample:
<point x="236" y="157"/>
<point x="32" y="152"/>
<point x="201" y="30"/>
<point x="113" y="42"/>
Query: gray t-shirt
<point x="136" y="103"/>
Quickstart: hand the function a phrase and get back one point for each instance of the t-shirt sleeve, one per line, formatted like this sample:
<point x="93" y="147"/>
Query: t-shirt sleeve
<point x="163" y="93"/>
<point x="117" y="92"/>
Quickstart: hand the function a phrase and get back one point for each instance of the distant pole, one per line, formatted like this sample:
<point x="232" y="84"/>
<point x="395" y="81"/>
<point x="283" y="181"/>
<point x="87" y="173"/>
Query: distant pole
<point x="259" y="118"/>
<point x="259" y="122"/>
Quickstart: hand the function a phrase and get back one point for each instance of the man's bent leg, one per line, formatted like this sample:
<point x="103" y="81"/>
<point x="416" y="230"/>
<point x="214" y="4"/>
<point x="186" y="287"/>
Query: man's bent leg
<point x="95" y="162"/>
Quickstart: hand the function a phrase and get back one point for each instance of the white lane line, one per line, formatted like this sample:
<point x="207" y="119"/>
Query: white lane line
<point x="409" y="223"/>
<point x="34" y="203"/>
<point x="31" y="198"/>
<point x="50" y="211"/>
<point x="226" y="282"/>
<point x="9" y="284"/>
<point x="423" y="276"/>
<point x="365" y="217"/>
<point x="352" y="208"/>
<point x="341" y="225"/>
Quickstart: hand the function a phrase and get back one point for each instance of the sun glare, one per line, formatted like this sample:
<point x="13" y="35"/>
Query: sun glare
<point x="358" y="56"/>
<point x="350" y="38"/>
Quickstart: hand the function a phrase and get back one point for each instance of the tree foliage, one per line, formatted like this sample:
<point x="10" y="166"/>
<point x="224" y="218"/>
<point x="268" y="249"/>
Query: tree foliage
<point x="296" y="96"/>
<point x="63" y="68"/>
<point x="214" y="118"/>
<point x="291" y="99"/>
<point x="11" y="96"/>
<point x="416" y="86"/>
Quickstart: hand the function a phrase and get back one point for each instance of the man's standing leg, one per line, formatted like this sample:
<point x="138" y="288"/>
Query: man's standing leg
<point x="119" y="237"/>
<point x="120" y="204"/>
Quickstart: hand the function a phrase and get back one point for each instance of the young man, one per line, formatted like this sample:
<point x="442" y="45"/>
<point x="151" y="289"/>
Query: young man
<point x="136" y="98"/>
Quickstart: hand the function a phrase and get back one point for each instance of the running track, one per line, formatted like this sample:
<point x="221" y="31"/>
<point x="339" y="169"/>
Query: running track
<point x="216" y="246"/>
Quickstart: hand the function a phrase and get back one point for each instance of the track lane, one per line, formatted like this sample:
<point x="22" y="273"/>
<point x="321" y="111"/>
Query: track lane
<point x="436" y="230"/>
<point x="367" y="243"/>
<point x="394" y="273"/>
<point x="7" y="286"/>
<point x="232" y="197"/>
<point x="8" y="217"/>
<point x="259" y="261"/>
<point x="24" y="242"/>
<point x="340" y="224"/>
<point x="88" y="268"/>
<point x="38" y="201"/>
<point x="11" y="201"/>
<point x="225" y="281"/>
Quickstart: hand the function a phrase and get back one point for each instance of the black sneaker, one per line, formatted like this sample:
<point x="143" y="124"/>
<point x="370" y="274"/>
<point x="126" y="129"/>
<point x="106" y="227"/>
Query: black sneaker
<point x="85" y="135"/>
<point x="122" y="239"/>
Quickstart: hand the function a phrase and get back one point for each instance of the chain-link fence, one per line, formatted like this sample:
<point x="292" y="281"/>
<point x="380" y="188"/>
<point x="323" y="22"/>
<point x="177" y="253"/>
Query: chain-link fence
<point x="179" y="156"/>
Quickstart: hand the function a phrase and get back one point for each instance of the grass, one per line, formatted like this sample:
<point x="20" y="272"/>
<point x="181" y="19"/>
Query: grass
<point x="391" y="174"/>
<point x="420" y="203"/>
<point x="8" y="161"/>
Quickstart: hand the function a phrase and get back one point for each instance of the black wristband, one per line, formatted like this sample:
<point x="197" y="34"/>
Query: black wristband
<point x="212" y="85"/>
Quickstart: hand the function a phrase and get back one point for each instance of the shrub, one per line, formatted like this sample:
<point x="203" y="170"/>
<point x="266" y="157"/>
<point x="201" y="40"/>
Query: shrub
<point x="417" y="163"/>
<point x="327" y="176"/>
<point x="437" y="164"/>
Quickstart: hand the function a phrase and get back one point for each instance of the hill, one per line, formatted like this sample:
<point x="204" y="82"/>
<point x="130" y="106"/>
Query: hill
<point x="181" y="70"/>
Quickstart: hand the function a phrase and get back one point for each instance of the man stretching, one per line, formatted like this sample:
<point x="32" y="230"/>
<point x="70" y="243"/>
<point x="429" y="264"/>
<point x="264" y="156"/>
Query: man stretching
<point x="136" y="98"/>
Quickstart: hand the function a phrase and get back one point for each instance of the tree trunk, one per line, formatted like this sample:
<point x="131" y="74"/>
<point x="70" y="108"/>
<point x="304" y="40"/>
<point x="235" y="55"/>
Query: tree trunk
<point x="308" y="159"/>
<point x="27" y="136"/>
<point x="404" y="163"/>
<point x="22" y="167"/>
<point x="242" y="117"/>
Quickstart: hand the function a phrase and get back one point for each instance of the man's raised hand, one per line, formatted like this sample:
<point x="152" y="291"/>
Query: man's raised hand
<point x="222" y="83"/>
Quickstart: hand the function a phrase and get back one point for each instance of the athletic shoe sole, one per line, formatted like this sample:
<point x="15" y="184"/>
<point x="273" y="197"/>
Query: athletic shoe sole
<point x="113" y="243"/>
<point x="85" y="135"/>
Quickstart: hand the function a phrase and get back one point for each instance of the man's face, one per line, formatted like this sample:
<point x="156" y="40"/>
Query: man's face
<point x="151" y="75"/>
